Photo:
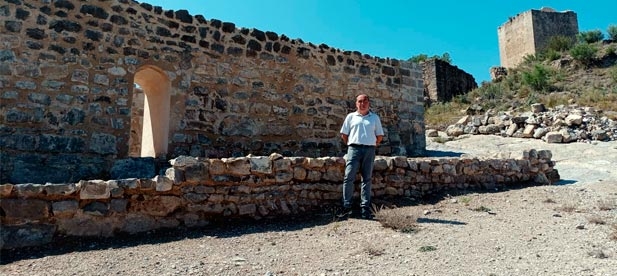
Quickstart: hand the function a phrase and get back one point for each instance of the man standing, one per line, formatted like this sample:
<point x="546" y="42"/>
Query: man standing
<point x="361" y="132"/>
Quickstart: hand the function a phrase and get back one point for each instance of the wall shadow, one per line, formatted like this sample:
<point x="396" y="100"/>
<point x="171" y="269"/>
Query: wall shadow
<point x="219" y="229"/>
<point x="438" y="153"/>
<point x="234" y="227"/>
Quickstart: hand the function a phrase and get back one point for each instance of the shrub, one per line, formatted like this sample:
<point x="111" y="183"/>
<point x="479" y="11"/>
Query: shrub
<point x="584" y="53"/>
<point x="551" y="55"/>
<point x="590" y="36"/>
<point x="611" y="50"/>
<point x="398" y="219"/>
<point x="612" y="32"/>
<point x="560" y="43"/>
<point x="537" y="78"/>
<point x="531" y="59"/>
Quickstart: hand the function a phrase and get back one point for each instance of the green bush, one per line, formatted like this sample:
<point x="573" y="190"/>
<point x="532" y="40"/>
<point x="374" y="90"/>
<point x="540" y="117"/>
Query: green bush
<point x="537" y="78"/>
<point x="584" y="53"/>
<point x="423" y="57"/>
<point x="560" y="43"/>
<point x="591" y="36"/>
<point x="551" y="55"/>
<point x="530" y="59"/>
<point x="612" y="32"/>
<point x="611" y="50"/>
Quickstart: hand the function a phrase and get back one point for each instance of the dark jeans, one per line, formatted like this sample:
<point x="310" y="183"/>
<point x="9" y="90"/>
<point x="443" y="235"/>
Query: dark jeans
<point x="359" y="158"/>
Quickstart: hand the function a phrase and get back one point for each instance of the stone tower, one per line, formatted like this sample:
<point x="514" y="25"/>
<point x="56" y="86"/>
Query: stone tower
<point x="529" y="33"/>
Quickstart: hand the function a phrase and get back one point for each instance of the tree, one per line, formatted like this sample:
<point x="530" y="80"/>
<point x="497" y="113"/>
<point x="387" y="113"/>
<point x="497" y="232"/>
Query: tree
<point x="423" y="57"/>
<point x="612" y="32"/>
<point x="590" y="36"/>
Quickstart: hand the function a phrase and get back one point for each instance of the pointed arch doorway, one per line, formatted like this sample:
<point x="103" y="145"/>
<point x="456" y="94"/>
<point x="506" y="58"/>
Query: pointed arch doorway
<point x="150" y="114"/>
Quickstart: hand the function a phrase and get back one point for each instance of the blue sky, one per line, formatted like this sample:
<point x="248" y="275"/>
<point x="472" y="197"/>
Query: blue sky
<point x="467" y="30"/>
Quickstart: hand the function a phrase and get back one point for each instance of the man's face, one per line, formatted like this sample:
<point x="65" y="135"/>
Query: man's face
<point x="362" y="104"/>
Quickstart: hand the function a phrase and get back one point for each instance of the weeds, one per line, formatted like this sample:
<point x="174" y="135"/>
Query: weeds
<point x="465" y="200"/>
<point x="596" y="220"/>
<point x="549" y="200"/>
<point x="568" y="208"/>
<point x="606" y="205"/>
<point x="427" y="248"/>
<point x="481" y="209"/>
<point x="613" y="235"/>
<point x="372" y="250"/>
<point x="597" y="253"/>
<point x="398" y="219"/>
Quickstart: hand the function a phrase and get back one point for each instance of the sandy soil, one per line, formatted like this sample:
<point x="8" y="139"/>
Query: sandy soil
<point x="564" y="229"/>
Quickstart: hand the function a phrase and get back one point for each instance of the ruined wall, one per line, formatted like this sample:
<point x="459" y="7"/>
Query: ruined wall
<point x="529" y="32"/>
<point x="197" y="191"/>
<point x="70" y="68"/>
<point x="443" y="81"/>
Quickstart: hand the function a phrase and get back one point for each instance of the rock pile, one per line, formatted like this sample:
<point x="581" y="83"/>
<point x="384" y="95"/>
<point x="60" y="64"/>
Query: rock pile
<point x="562" y="124"/>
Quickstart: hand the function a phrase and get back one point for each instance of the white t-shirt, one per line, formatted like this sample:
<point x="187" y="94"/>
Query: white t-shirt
<point x="362" y="130"/>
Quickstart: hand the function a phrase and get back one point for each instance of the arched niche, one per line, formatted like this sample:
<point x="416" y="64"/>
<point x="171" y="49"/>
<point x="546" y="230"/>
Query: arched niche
<point x="151" y="112"/>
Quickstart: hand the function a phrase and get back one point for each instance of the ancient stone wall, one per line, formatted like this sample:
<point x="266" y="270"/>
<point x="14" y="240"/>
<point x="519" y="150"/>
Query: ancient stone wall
<point x="86" y="82"/>
<point x="197" y="191"/>
<point x="528" y="33"/>
<point x="443" y="81"/>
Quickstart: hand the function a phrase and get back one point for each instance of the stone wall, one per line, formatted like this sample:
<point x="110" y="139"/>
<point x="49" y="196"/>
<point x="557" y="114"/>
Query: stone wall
<point x="443" y="81"/>
<point x="528" y="33"/>
<point x="197" y="191"/>
<point x="84" y="83"/>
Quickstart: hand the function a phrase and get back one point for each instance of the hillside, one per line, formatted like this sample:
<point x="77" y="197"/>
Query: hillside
<point x="553" y="79"/>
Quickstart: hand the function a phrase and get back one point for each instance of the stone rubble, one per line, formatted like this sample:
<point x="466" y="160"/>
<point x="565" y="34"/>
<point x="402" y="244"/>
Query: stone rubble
<point x="562" y="124"/>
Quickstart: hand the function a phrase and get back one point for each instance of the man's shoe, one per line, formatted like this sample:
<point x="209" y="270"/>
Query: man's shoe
<point x="345" y="213"/>
<point x="367" y="214"/>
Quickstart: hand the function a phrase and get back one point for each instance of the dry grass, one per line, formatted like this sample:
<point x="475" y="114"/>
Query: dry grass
<point x="481" y="209"/>
<point x="568" y="208"/>
<point x="373" y="250"/>
<point x="399" y="219"/>
<point x="549" y="200"/>
<point x="598" y="253"/>
<point x="596" y="220"/>
<point x="606" y="205"/>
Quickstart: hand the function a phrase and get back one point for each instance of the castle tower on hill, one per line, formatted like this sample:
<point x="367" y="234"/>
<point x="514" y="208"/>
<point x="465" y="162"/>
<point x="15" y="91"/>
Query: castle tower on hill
<point x="528" y="33"/>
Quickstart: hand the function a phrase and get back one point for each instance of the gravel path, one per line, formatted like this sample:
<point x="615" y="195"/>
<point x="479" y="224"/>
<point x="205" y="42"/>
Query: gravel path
<point x="565" y="229"/>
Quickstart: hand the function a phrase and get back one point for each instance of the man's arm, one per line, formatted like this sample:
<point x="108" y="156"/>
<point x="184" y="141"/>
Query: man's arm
<point x="379" y="138"/>
<point x="344" y="137"/>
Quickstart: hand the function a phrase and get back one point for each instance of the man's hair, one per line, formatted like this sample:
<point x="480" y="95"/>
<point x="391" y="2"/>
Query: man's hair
<point x="367" y="97"/>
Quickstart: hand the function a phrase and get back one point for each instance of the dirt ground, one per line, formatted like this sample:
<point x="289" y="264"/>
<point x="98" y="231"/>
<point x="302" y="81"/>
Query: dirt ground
<point x="565" y="229"/>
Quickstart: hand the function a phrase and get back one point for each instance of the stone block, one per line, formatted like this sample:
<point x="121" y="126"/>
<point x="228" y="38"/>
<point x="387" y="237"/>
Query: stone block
<point x="159" y="206"/>
<point x="554" y="137"/>
<point x="175" y="175"/>
<point x="163" y="183"/>
<point x="25" y="209"/>
<point x="66" y="208"/>
<point x="94" y="189"/>
<point x="5" y="190"/>
<point x="28" y="190"/>
<point x="261" y="164"/>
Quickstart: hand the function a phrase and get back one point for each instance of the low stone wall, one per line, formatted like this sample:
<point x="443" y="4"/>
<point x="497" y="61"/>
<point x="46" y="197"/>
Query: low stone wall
<point x="196" y="191"/>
